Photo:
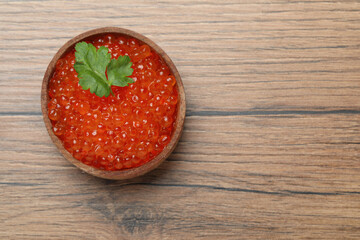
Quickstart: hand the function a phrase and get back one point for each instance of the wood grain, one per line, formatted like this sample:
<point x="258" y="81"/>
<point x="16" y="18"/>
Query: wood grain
<point x="271" y="142"/>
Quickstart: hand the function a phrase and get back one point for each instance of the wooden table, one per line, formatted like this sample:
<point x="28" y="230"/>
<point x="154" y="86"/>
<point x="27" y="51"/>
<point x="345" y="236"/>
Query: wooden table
<point x="271" y="143"/>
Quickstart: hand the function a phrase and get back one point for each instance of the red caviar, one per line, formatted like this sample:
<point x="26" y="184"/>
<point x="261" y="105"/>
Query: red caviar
<point x="121" y="131"/>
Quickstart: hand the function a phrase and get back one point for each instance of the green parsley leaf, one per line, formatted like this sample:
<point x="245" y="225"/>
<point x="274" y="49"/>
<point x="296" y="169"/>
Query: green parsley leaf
<point x="119" y="70"/>
<point x="91" y="65"/>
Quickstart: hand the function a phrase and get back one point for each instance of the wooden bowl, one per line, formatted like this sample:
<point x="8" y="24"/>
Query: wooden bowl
<point x="127" y="173"/>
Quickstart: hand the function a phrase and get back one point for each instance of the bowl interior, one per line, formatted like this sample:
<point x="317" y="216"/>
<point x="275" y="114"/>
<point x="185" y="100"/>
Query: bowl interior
<point x="126" y="173"/>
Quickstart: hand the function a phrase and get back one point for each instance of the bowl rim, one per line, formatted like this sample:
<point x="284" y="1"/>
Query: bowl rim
<point x="181" y="107"/>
